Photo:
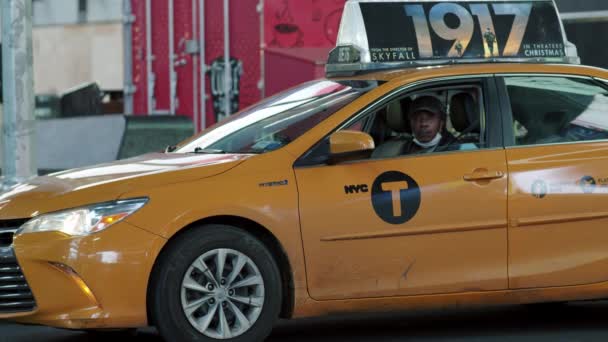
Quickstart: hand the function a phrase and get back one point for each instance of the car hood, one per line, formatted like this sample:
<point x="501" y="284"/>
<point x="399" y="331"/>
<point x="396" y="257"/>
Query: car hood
<point x="106" y="182"/>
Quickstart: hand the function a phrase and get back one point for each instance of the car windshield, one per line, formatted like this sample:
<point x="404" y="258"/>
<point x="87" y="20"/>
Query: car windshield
<point x="278" y="120"/>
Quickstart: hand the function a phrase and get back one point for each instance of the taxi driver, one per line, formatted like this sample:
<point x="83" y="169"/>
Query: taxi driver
<point x="427" y="119"/>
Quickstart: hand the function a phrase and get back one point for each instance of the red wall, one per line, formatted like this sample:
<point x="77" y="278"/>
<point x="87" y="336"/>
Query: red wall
<point x="160" y="50"/>
<point x="287" y="24"/>
<point x="214" y="41"/>
<point x="302" y="23"/>
<point x="184" y="28"/>
<point x="140" y="77"/>
<point x="244" y="45"/>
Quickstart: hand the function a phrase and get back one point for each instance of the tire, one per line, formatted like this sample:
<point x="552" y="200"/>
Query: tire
<point x="180" y="283"/>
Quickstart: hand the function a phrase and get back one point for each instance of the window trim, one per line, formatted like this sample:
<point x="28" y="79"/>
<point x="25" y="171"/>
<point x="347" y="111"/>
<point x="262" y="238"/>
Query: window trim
<point x="494" y="135"/>
<point x="403" y="157"/>
<point x="603" y="81"/>
<point x="508" y="135"/>
<point x="504" y="101"/>
<point x="599" y="141"/>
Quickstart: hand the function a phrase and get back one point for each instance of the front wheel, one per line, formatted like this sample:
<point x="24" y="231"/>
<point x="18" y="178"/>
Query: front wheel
<point x="216" y="283"/>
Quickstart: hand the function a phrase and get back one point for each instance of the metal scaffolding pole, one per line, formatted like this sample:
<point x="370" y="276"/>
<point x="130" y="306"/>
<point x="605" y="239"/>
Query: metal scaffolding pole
<point x="227" y="65"/>
<point x="19" y="163"/>
<point x="127" y="26"/>
<point x="203" y="63"/>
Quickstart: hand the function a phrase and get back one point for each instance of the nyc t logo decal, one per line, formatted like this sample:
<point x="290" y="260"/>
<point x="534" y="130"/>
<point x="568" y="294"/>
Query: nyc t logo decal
<point x="395" y="197"/>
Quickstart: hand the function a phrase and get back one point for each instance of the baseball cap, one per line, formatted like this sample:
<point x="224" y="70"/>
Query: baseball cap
<point x="430" y="104"/>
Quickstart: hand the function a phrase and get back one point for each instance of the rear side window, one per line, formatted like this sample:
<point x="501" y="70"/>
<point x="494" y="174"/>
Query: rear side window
<point x="549" y="110"/>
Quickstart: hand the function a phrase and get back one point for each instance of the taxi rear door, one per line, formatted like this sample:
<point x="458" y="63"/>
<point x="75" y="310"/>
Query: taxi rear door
<point x="408" y="225"/>
<point x="558" y="185"/>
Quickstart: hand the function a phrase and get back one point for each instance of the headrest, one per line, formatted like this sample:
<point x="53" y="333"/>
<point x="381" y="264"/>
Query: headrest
<point x="464" y="112"/>
<point x="396" y="118"/>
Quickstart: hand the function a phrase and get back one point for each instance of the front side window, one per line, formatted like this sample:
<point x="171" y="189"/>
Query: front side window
<point x="439" y="119"/>
<point x="550" y="110"/>
<point x="280" y="119"/>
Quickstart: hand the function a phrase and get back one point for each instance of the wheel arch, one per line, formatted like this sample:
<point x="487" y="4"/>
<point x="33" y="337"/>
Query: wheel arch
<point x="258" y="231"/>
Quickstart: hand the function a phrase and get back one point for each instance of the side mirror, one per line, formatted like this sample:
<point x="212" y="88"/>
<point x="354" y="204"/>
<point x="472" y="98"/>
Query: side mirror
<point x="344" y="145"/>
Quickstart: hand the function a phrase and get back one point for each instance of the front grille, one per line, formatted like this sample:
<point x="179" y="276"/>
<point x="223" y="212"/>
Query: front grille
<point x="8" y="229"/>
<point x="15" y="293"/>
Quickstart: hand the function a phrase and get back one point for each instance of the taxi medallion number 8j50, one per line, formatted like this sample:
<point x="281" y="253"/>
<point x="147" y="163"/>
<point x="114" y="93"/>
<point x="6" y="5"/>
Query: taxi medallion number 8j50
<point x="395" y="197"/>
<point x="463" y="34"/>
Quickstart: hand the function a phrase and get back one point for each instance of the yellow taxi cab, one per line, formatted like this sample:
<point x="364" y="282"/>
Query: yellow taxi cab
<point x="456" y="155"/>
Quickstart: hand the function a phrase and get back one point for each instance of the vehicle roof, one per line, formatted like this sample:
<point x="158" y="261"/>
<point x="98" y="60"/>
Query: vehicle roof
<point x="405" y="74"/>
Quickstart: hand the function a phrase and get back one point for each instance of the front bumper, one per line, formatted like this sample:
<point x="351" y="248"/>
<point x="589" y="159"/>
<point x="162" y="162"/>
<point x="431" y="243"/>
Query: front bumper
<point x="97" y="281"/>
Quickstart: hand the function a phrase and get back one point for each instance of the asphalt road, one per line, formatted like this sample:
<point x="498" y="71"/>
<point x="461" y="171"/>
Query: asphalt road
<point x="568" y="322"/>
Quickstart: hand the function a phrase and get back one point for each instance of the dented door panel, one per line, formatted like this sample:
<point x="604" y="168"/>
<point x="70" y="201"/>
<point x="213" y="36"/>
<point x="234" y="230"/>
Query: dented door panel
<point x="405" y="226"/>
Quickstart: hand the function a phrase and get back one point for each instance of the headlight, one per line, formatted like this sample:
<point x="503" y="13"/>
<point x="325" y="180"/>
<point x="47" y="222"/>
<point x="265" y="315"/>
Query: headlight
<point x="85" y="220"/>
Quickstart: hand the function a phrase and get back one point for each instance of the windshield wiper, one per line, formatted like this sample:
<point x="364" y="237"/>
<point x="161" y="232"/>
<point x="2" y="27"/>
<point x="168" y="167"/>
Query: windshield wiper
<point x="200" y="150"/>
<point x="252" y="151"/>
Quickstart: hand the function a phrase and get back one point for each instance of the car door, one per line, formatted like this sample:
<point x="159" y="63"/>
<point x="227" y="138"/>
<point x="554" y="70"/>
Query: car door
<point x="408" y="225"/>
<point x="558" y="185"/>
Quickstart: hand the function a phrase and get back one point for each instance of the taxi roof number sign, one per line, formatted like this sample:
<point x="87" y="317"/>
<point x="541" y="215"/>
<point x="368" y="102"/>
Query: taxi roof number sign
<point x="376" y="34"/>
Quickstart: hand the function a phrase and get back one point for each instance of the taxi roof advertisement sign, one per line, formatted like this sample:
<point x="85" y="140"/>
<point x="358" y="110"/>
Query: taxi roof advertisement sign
<point x="410" y="31"/>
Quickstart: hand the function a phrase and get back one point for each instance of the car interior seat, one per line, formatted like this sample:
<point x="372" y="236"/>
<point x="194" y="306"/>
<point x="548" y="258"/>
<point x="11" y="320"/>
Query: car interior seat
<point x="541" y="113"/>
<point x="379" y="129"/>
<point x="465" y="118"/>
<point x="553" y="123"/>
<point x="396" y="120"/>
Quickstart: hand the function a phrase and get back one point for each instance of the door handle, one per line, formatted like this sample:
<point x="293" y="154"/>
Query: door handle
<point x="480" y="176"/>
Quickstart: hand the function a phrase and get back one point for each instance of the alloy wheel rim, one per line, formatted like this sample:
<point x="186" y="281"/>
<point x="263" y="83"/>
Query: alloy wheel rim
<point x="222" y="293"/>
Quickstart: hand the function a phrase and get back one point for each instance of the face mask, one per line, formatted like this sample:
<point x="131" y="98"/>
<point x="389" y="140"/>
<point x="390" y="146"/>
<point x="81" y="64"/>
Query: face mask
<point x="431" y="143"/>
